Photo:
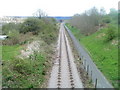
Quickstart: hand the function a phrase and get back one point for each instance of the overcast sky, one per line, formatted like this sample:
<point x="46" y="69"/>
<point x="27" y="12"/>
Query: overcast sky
<point x="52" y="7"/>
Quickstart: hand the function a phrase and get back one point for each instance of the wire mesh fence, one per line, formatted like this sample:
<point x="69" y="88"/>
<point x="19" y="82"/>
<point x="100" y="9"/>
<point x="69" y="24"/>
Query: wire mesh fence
<point x="98" y="79"/>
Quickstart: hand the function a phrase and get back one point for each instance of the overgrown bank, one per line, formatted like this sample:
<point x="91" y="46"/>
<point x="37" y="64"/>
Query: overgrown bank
<point x="28" y="72"/>
<point x="99" y="35"/>
<point x="105" y="55"/>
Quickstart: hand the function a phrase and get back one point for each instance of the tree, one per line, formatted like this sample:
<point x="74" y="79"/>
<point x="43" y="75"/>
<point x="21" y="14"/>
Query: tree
<point x="114" y="14"/>
<point x="102" y="11"/>
<point x="86" y="21"/>
<point x="32" y="25"/>
<point x="39" y="14"/>
<point x="94" y="16"/>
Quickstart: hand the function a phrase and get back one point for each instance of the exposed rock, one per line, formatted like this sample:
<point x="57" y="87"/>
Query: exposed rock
<point x="30" y="49"/>
<point x="114" y="42"/>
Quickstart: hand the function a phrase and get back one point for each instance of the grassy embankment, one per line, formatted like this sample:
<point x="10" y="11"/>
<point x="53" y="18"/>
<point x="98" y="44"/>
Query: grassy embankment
<point x="28" y="72"/>
<point x="104" y="54"/>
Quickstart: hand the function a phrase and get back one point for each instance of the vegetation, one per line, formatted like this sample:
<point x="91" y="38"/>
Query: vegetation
<point x="102" y="43"/>
<point x="104" y="54"/>
<point x="9" y="52"/>
<point x="92" y="20"/>
<point x="32" y="25"/>
<point x="8" y="28"/>
<point x="110" y="34"/>
<point x="45" y="28"/>
<point x="28" y="72"/>
<point x="24" y="73"/>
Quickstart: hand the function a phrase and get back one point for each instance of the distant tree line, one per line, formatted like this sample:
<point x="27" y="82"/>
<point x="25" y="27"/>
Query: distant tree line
<point x="92" y="20"/>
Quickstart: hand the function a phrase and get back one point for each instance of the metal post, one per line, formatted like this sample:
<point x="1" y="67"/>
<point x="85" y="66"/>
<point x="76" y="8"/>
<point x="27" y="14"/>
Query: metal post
<point x="96" y="83"/>
<point x="91" y="74"/>
<point x="87" y="69"/>
<point x="84" y="64"/>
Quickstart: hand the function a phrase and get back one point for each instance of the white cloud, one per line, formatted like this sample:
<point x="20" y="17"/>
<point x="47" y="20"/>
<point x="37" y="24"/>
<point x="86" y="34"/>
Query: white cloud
<point x="52" y="7"/>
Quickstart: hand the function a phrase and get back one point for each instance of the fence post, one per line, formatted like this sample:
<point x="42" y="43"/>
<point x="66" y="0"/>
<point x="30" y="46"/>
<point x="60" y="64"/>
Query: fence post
<point x="96" y="83"/>
<point x="82" y="60"/>
<point x="91" y="74"/>
<point x="87" y="69"/>
<point x="84" y="63"/>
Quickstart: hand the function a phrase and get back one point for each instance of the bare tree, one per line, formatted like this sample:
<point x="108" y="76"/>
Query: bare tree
<point x="86" y="21"/>
<point x="39" y="14"/>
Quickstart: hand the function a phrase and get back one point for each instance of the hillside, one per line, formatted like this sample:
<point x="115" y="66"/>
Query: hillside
<point x="104" y="54"/>
<point x="27" y="53"/>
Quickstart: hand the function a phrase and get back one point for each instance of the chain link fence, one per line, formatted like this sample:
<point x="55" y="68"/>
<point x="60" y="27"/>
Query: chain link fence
<point x="96" y="76"/>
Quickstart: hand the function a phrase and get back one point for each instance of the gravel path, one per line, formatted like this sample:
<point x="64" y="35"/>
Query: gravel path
<point x="64" y="72"/>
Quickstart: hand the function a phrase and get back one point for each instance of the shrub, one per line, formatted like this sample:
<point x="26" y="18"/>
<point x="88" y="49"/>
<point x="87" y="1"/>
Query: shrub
<point x="32" y="25"/>
<point x="13" y="38"/>
<point x="7" y="28"/>
<point x="106" y="19"/>
<point x="18" y="39"/>
<point x="22" y="66"/>
<point x="110" y="34"/>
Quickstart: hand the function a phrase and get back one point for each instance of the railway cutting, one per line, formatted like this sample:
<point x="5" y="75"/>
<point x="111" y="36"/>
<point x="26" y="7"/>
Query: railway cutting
<point x="64" y="72"/>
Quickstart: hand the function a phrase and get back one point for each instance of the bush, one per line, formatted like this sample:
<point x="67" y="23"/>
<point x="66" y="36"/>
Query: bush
<point x="13" y="38"/>
<point x="106" y="19"/>
<point x="49" y="34"/>
<point x="32" y="25"/>
<point x="18" y="39"/>
<point x="110" y="34"/>
<point x="7" y="28"/>
<point x="22" y="66"/>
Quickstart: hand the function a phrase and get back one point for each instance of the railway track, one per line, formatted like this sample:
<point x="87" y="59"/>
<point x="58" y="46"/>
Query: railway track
<point x="64" y="73"/>
<point x="68" y="62"/>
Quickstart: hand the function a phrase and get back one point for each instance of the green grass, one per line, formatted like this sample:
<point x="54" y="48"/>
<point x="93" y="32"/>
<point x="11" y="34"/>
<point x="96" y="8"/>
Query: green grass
<point x="24" y="73"/>
<point x="9" y="52"/>
<point x="104" y="54"/>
